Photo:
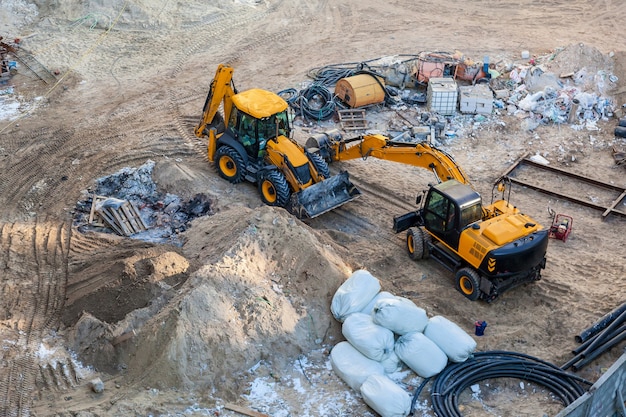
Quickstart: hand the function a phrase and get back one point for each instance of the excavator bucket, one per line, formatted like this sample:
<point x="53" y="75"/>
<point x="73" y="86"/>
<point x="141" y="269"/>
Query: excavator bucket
<point x="323" y="196"/>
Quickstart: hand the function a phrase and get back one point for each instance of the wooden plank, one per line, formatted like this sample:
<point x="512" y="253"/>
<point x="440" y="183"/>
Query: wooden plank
<point x="122" y="222"/>
<point x="613" y="205"/>
<point x="244" y="411"/>
<point x="138" y="215"/>
<point x="110" y="221"/>
<point x="94" y="217"/>
<point x="130" y="216"/>
<point x="352" y="119"/>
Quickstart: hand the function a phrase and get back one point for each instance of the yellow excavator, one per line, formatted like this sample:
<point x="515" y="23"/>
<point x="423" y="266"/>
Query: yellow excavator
<point x="251" y="140"/>
<point x="490" y="248"/>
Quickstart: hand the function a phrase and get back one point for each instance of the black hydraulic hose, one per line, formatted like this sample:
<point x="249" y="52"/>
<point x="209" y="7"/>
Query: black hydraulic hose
<point x="603" y="322"/>
<point x="314" y="102"/>
<point x="454" y="379"/>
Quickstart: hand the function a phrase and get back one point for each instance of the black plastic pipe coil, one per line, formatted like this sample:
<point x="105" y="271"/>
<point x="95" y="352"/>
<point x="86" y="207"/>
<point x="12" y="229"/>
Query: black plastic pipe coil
<point x="454" y="379"/>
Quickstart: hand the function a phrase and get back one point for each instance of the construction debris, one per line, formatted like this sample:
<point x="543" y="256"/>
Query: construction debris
<point x="7" y="68"/>
<point x="129" y="204"/>
<point x="120" y="215"/>
<point x="619" y="156"/>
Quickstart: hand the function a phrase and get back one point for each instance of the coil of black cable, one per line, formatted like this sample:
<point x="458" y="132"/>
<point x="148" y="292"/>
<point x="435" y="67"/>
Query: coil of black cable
<point x="454" y="379"/>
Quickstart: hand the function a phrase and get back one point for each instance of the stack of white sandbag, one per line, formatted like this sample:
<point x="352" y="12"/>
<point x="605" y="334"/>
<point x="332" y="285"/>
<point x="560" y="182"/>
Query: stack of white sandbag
<point x="383" y="332"/>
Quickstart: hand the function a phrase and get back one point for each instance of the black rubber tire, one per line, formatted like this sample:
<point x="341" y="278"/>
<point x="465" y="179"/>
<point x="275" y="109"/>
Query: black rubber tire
<point x="274" y="189"/>
<point x="230" y="164"/>
<point x="620" y="131"/>
<point x="468" y="283"/>
<point x="320" y="165"/>
<point x="417" y="240"/>
<point x="622" y="122"/>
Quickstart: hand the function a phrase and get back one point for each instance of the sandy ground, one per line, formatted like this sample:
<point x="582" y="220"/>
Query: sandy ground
<point x="240" y="312"/>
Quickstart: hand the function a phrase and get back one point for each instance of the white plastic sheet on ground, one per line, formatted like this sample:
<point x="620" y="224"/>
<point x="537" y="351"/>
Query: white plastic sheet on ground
<point x="421" y="354"/>
<point x="451" y="339"/>
<point x="385" y="396"/>
<point x="400" y="315"/>
<point x="352" y="366"/>
<point x="372" y="340"/>
<point x="354" y="294"/>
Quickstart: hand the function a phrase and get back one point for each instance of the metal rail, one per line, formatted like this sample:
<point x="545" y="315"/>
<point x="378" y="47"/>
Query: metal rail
<point x="606" y="209"/>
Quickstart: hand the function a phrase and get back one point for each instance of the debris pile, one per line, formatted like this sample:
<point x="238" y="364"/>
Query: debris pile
<point x="129" y="204"/>
<point x="568" y="86"/>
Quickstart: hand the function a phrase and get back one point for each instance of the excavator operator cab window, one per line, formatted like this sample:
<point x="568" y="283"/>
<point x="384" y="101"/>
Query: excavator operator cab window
<point x="471" y="214"/>
<point x="439" y="213"/>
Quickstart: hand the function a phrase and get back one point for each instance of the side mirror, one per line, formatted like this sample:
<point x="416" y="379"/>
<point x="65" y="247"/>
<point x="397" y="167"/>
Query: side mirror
<point x="418" y="199"/>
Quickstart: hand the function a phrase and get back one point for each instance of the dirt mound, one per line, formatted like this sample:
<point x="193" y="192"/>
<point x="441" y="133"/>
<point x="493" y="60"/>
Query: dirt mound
<point x="259" y="299"/>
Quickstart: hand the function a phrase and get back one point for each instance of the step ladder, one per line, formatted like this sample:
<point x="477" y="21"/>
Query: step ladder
<point x="30" y="62"/>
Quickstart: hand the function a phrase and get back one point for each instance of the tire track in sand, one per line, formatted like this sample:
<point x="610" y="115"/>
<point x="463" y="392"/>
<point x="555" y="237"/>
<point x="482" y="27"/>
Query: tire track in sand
<point x="34" y="256"/>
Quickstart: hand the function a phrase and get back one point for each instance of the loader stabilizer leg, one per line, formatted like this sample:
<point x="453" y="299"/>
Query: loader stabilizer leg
<point x="323" y="196"/>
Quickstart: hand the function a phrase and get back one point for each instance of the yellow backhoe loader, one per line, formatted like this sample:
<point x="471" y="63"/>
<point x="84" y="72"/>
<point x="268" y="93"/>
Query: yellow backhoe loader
<point x="251" y="140"/>
<point x="490" y="248"/>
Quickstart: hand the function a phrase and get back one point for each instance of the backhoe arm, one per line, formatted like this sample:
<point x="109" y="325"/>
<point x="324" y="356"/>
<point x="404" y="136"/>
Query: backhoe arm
<point x="221" y="90"/>
<point x="378" y="146"/>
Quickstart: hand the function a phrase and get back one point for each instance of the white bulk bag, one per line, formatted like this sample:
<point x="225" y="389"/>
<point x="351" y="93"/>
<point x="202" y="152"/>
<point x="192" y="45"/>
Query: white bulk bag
<point x="391" y="362"/>
<point x="352" y="366"/>
<point x="367" y="337"/>
<point x="386" y="397"/>
<point x="369" y="308"/>
<point x="421" y="354"/>
<point x="354" y="294"/>
<point x="454" y="341"/>
<point x="400" y="315"/>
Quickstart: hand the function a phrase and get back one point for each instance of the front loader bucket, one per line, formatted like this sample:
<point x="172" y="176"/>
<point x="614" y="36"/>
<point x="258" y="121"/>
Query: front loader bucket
<point x="323" y="196"/>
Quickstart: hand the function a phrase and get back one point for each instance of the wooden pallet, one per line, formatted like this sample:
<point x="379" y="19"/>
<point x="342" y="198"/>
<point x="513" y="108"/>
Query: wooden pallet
<point x="352" y="119"/>
<point x="120" y="215"/>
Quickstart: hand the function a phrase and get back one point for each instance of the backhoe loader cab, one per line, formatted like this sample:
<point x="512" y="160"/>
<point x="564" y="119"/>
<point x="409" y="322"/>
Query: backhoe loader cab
<point x="253" y="126"/>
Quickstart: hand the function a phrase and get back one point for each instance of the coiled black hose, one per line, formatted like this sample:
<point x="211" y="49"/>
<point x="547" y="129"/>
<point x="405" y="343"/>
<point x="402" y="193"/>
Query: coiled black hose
<point x="315" y="102"/>
<point x="449" y="384"/>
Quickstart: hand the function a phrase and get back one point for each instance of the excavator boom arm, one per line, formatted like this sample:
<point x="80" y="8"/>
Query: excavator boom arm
<point x="378" y="146"/>
<point x="221" y="90"/>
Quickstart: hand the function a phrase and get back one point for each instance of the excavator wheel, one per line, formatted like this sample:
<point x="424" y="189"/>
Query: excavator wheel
<point x="229" y="164"/>
<point x="468" y="283"/>
<point x="417" y="243"/>
<point x="274" y="189"/>
<point x="320" y="165"/>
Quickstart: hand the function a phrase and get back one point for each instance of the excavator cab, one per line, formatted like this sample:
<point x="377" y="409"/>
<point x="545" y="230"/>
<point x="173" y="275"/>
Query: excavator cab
<point x="449" y="208"/>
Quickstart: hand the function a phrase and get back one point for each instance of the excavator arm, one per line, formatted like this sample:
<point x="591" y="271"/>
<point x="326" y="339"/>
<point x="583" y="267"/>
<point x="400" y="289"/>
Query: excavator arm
<point x="334" y="148"/>
<point x="221" y="90"/>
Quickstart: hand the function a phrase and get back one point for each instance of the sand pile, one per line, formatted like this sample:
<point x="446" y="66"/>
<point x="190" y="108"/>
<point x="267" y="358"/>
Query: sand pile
<point x="264" y="296"/>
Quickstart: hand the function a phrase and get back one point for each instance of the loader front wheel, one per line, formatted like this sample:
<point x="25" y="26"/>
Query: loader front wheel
<point x="229" y="164"/>
<point x="468" y="283"/>
<point x="274" y="189"/>
<point x="417" y="243"/>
